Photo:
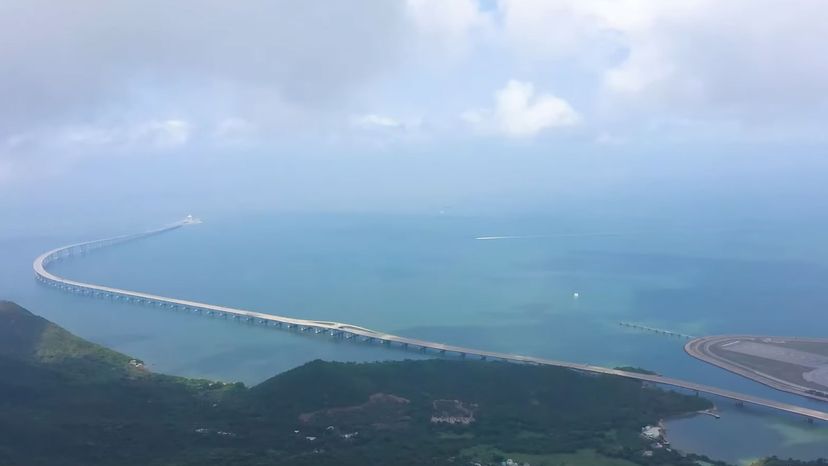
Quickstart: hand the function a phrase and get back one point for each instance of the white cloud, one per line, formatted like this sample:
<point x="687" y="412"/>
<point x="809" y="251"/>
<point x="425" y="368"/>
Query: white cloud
<point x="309" y="69"/>
<point x="380" y="131"/>
<point x="88" y="61"/>
<point x="743" y="60"/>
<point x="235" y="129"/>
<point x="750" y="60"/>
<point x="160" y="134"/>
<point x="373" y="120"/>
<point x="521" y="112"/>
<point x="554" y="29"/>
<point x="89" y="136"/>
<point x="164" y="133"/>
<point x="450" y="26"/>
<point x="606" y="138"/>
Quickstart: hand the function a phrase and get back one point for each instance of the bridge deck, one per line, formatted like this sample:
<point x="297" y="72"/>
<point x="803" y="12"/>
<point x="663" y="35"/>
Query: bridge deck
<point x="353" y="331"/>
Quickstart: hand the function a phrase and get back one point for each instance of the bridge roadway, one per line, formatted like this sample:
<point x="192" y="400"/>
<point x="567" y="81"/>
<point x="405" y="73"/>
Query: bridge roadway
<point x="353" y="332"/>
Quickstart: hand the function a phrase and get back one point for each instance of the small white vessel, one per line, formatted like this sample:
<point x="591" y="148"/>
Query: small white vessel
<point x="190" y="220"/>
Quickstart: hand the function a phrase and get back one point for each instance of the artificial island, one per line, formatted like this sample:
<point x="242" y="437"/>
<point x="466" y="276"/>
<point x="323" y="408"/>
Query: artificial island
<point x="795" y="365"/>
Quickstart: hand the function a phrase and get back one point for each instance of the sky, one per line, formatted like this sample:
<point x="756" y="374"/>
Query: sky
<point x="408" y="105"/>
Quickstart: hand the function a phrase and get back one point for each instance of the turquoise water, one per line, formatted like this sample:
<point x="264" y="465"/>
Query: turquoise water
<point x="428" y="277"/>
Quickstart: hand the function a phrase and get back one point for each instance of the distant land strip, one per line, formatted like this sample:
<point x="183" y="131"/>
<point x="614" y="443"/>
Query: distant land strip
<point x="348" y="331"/>
<point x="604" y="233"/>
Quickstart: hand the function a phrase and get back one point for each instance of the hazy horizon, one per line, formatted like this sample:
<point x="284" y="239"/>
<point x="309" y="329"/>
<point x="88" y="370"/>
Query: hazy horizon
<point x="467" y="107"/>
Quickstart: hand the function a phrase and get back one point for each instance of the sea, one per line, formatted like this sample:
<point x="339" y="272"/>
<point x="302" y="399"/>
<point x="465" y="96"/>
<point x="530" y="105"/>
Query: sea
<point x="554" y="286"/>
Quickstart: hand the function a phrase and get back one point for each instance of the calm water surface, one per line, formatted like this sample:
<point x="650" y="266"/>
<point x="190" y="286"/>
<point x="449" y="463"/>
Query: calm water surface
<point x="428" y="277"/>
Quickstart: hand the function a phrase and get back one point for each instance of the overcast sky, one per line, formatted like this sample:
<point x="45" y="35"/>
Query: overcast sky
<point x="334" y="105"/>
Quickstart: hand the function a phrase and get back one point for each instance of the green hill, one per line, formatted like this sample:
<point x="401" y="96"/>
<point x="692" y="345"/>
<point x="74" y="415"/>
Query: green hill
<point x="65" y="401"/>
<point x="34" y="339"/>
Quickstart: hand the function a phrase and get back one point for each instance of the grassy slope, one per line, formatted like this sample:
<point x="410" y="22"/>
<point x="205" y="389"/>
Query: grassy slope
<point x="34" y="339"/>
<point x="67" y="401"/>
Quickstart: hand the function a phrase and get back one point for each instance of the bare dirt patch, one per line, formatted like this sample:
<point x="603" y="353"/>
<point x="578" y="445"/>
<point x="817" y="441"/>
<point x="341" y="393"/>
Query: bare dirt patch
<point x="453" y="412"/>
<point x="381" y="411"/>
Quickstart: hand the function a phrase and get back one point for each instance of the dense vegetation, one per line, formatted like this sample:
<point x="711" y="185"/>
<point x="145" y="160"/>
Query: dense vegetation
<point x="774" y="461"/>
<point x="65" y="401"/>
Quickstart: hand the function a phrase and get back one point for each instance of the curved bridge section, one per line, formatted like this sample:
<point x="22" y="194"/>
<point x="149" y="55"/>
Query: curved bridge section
<point x="348" y="331"/>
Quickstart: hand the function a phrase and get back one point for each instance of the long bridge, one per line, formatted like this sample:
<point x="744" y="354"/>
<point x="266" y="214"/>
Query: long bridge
<point x="353" y="332"/>
<point x="659" y="331"/>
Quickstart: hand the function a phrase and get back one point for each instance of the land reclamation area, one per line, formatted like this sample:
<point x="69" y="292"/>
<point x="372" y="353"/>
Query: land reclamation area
<point x="796" y="365"/>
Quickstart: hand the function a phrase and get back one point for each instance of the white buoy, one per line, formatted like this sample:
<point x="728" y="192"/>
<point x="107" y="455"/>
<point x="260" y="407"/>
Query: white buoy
<point x="576" y="295"/>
